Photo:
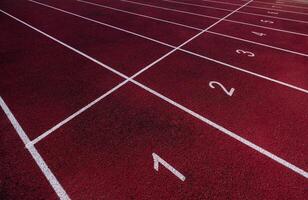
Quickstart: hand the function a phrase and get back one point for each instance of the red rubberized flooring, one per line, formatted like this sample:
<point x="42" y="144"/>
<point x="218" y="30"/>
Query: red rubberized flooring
<point x="153" y="99"/>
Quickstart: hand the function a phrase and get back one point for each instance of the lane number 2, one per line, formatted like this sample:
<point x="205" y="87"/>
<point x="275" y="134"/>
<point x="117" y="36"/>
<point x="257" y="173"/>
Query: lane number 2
<point x="249" y="54"/>
<point x="258" y="33"/>
<point x="229" y="93"/>
<point x="158" y="160"/>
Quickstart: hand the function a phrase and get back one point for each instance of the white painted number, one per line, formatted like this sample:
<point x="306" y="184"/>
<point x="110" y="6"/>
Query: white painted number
<point x="249" y="54"/>
<point x="266" y="21"/>
<point x="230" y="93"/>
<point x="158" y="160"/>
<point x="258" y="33"/>
<point x="272" y="13"/>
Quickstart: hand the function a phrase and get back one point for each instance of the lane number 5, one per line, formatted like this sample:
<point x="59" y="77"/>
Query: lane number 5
<point x="249" y="54"/>
<point x="158" y="160"/>
<point x="229" y="93"/>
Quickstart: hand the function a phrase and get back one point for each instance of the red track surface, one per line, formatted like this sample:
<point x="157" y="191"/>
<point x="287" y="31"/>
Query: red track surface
<point x="76" y="126"/>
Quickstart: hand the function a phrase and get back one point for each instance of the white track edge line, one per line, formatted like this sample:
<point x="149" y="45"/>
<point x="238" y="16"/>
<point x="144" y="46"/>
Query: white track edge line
<point x="35" y="154"/>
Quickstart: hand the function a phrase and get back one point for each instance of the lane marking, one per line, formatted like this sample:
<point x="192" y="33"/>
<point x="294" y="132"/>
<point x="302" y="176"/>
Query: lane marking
<point x="157" y="159"/>
<point x="200" y="56"/>
<point x="216" y="33"/>
<point x="139" y="15"/>
<point x="242" y="12"/>
<point x="257" y="7"/>
<point x="34" y="153"/>
<point x="75" y="114"/>
<point x="206" y="16"/>
<point x="209" y="122"/>
<point x="183" y="50"/>
<point x="288" y="5"/>
<point x="257" y="43"/>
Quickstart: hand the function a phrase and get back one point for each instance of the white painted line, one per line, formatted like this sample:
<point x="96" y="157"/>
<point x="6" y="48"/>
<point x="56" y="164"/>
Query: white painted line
<point x="257" y="43"/>
<point x="226" y="131"/>
<point x="211" y="17"/>
<point x="77" y="113"/>
<point x="222" y="129"/>
<point x="242" y="12"/>
<point x="64" y="44"/>
<point x="257" y="7"/>
<point x="187" y="41"/>
<point x="35" y="154"/>
<point x="175" y="48"/>
<point x="248" y="72"/>
<point x="104" y="24"/>
<point x="216" y="33"/>
<point x="189" y="52"/>
<point x="285" y="5"/>
<point x="140" y="15"/>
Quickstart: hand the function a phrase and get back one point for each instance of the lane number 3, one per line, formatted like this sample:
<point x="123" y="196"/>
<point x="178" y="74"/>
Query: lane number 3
<point x="158" y="160"/>
<point x="228" y="92"/>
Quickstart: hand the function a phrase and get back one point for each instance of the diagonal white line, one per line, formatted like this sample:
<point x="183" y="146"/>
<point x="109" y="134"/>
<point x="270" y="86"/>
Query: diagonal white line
<point x="35" y="154"/>
<point x="215" y="33"/>
<point x="181" y="49"/>
<point x="140" y="15"/>
<point x="242" y="12"/>
<point x="211" y="17"/>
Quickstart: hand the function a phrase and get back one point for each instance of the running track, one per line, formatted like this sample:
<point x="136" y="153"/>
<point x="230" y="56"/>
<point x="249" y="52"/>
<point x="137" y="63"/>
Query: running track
<point x="153" y="99"/>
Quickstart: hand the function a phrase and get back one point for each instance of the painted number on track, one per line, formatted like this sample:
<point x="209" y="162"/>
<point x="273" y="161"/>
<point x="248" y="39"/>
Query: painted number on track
<point x="229" y="93"/>
<point x="272" y="13"/>
<point x="248" y="53"/>
<point x="158" y="160"/>
<point x="267" y="21"/>
<point x="258" y="33"/>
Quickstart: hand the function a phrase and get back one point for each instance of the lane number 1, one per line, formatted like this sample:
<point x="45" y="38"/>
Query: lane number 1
<point x="158" y="160"/>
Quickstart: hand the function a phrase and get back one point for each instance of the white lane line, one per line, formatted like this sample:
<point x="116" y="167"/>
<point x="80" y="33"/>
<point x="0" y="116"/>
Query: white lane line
<point x="248" y="72"/>
<point x="257" y="43"/>
<point x="189" y="52"/>
<point x="211" y="17"/>
<point x="288" y="5"/>
<point x="69" y="118"/>
<point x="139" y="15"/>
<point x="222" y="129"/>
<point x="242" y="12"/>
<point x="35" y="154"/>
<point x="101" y="23"/>
<point x="216" y="33"/>
<point x="64" y="44"/>
<point x="227" y="132"/>
<point x="257" y="7"/>
<point x="187" y="41"/>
